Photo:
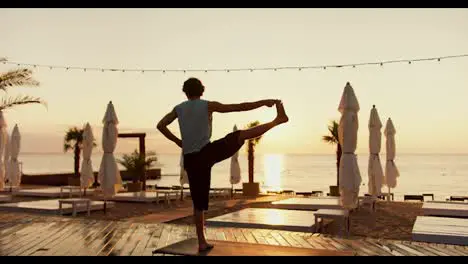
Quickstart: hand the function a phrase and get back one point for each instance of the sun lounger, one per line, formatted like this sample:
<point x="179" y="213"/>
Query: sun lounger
<point x="441" y="230"/>
<point x="448" y="209"/>
<point x="459" y="198"/>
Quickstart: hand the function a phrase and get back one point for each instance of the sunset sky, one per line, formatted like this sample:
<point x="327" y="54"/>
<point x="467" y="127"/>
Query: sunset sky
<point x="426" y="100"/>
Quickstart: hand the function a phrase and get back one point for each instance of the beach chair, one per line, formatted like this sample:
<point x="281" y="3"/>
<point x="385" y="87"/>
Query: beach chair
<point x="409" y="197"/>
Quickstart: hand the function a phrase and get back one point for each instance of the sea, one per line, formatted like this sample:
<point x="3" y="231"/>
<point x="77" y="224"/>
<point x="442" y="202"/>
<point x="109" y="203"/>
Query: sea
<point x="440" y="174"/>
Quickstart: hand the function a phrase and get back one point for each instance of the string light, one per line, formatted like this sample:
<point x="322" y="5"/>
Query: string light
<point x="299" y="68"/>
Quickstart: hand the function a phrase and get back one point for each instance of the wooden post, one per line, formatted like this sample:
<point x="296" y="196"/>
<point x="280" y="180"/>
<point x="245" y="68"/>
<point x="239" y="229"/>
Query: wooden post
<point x="143" y="156"/>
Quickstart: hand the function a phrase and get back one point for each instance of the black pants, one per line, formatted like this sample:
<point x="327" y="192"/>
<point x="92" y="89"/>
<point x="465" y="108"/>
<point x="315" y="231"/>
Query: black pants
<point x="198" y="166"/>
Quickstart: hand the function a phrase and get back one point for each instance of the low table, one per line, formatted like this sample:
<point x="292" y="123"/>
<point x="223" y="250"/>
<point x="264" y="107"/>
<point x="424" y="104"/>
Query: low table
<point x="75" y="202"/>
<point x="337" y="214"/>
<point x="167" y="195"/>
<point x="70" y="189"/>
<point x="367" y="200"/>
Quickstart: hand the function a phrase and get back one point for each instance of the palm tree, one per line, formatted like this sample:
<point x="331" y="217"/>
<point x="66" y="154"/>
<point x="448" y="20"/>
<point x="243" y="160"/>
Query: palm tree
<point x="332" y="138"/>
<point x="136" y="164"/>
<point x="18" y="77"/>
<point x="251" y="143"/>
<point x="74" y="141"/>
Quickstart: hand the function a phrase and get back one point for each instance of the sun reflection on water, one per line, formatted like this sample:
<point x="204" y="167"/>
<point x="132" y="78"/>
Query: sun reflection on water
<point x="273" y="166"/>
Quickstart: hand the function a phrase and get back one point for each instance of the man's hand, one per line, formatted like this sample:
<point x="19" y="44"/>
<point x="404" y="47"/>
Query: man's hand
<point x="271" y="102"/>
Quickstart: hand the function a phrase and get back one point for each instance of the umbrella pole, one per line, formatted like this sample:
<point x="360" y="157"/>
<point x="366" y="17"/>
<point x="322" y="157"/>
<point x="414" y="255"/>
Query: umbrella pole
<point x="388" y="197"/>
<point x="105" y="204"/>
<point x="232" y="190"/>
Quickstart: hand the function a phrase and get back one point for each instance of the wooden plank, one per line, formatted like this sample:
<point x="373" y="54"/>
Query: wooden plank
<point x="377" y="249"/>
<point x="34" y="239"/>
<point x="99" y="241"/>
<point x="220" y="235"/>
<point x="229" y="234"/>
<point x="360" y="249"/>
<point x="259" y="237"/>
<point x="69" y="229"/>
<point x="153" y="241"/>
<point x="313" y="242"/>
<point x="92" y="230"/>
<point x="382" y="244"/>
<point x="285" y="235"/>
<point x="71" y="240"/>
<point x="248" y="235"/>
<point x="118" y="241"/>
<point x="426" y="247"/>
<point x="140" y="248"/>
<point x="20" y="242"/>
<point x="277" y="236"/>
<point x="418" y="248"/>
<point x="410" y="250"/>
<point x="239" y="235"/>
<point x="132" y="241"/>
<point x="301" y="240"/>
<point x="162" y="242"/>
<point x="21" y="232"/>
<point x="226" y="248"/>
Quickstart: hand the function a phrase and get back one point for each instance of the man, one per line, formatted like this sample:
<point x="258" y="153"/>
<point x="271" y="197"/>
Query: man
<point x="195" y="116"/>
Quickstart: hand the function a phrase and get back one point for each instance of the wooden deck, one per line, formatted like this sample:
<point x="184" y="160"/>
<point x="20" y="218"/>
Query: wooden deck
<point x="36" y="235"/>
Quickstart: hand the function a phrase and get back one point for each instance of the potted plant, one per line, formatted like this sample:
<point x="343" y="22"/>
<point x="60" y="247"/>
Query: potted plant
<point x="332" y="139"/>
<point x="136" y="165"/>
<point x="251" y="188"/>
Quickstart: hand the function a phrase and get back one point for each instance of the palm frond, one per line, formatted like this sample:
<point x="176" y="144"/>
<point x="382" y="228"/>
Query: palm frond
<point x="67" y="147"/>
<point x="19" y="77"/>
<point x="3" y="59"/>
<point x="9" y="102"/>
<point x="329" y="139"/>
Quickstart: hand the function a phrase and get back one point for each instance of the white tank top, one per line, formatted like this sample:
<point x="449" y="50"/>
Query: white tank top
<point x="195" y="124"/>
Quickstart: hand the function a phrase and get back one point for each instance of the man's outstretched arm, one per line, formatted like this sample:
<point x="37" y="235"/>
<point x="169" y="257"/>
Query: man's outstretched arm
<point x="162" y="127"/>
<point x="226" y="108"/>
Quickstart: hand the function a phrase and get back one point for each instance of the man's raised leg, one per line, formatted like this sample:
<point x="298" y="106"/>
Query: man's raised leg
<point x="259" y="130"/>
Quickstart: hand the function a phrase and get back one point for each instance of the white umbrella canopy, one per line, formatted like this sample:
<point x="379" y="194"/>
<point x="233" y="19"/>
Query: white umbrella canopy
<point x="183" y="174"/>
<point x="109" y="174"/>
<point x="14" y="172"/>
<point x="391" y="171"/>
<point x="375" y="171"/>
<point x="87" y="175"/>
<point x="3" y="142"/>
<point x="349" y="174"/>
<point x="235" y="167"/>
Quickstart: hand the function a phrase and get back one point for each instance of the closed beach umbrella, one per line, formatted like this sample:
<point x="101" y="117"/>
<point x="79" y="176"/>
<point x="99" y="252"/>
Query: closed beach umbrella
<point x="391" y="171"/>
<point x="87" y="175"/>
<point x="375" y="170"/>
<point x="183" y="174"/>
<point x="3" y="141"/>
<point x="349" y="175"/>
<point x="109" y="174"/>
<point x="14" y="166"/>
<point x="6" y="157"/>
<point x="235" y="167"/>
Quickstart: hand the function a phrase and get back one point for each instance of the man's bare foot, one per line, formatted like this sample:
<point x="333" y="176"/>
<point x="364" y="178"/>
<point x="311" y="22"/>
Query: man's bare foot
<point x="281" y="116"/>
<point x="205" y="247"/>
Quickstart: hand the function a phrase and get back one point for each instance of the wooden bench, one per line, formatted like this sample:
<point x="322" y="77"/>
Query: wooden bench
<point x="336" y="214"/>
<point x="70" y="189"/>
<point x="413" y="198"/>
<point x="75" y="202"/>
<point x="428" y="195"/>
